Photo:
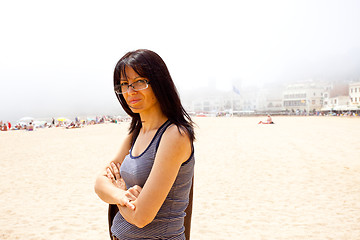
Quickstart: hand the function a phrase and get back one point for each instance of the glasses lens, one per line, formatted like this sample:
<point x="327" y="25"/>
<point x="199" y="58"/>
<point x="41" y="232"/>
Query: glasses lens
<point x="139" y="85"/>
<point x="124" y="87"/>
<point x="136" y="86"/>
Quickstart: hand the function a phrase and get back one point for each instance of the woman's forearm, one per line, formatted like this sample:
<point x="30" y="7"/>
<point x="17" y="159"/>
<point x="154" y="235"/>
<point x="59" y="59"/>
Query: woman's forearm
<point x="107" y="191"/>
<point x="132" y="216"/>
<point x="126" y="213"/>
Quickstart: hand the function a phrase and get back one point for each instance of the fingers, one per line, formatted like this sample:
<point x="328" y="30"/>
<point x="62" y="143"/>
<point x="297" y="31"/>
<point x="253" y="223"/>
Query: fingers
<point x="126" y="201"/>
<point x="115" y="170"/>
<point x="130" y="205"/>
<point x="109" y="174"/>
<point x="129" y="195"/>
<point x="135" y="190"/>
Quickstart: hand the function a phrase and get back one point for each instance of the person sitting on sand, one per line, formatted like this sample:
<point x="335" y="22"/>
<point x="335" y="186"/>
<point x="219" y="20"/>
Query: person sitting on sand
<point x="30" y="127"/>
<point x="4" y="127"/>
<point x="268" y="120"/>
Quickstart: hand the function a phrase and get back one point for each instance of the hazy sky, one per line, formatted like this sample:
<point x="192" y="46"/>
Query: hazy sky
<point x="57" y="57"/>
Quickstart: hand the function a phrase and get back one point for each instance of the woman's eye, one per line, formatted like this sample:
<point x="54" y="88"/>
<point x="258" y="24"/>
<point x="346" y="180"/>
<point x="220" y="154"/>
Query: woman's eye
<point x="124" y="84"/>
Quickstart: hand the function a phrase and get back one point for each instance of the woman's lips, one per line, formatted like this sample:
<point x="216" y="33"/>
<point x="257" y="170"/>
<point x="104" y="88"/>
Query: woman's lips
<point x="134" y="101"/>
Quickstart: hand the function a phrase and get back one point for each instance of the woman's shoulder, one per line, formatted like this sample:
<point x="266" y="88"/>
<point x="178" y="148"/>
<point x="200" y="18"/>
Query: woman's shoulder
<point x="175" y="144"/>
<point x="175" y="135"/>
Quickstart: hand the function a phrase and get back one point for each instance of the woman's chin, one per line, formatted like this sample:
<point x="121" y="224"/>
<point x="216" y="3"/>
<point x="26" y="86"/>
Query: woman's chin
<point x="135" y="109"/>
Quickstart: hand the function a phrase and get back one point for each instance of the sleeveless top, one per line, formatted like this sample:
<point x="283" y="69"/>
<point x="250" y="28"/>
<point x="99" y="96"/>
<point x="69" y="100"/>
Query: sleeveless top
<point x="169" y="221"/>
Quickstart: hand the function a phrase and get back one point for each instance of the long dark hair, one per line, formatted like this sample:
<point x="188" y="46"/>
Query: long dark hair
<point x="150" y="65"/>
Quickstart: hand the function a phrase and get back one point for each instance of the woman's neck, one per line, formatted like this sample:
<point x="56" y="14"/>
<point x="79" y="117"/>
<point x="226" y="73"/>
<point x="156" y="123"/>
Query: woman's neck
<point x="152" y="122"/>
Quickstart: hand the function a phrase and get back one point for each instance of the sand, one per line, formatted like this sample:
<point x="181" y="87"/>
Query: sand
<point x="296" y="179"/>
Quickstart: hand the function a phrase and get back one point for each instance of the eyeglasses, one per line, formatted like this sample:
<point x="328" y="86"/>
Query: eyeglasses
<point x="136" y="86"/>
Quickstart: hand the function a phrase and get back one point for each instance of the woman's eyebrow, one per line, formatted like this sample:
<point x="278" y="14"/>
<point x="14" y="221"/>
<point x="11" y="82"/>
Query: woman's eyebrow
<point x="127" y="79"/>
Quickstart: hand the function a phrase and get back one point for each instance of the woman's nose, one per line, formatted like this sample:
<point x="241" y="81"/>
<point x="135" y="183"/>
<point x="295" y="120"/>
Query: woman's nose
<point x="131" y="90"/>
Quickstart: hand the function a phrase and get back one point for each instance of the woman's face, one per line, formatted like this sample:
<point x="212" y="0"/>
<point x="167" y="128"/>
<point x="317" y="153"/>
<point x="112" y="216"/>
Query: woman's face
<point x="141" y="101"/>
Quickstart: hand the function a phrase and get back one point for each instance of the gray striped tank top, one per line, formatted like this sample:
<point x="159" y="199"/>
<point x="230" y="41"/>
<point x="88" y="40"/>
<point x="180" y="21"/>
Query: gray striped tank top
<point x="169" y="221"/>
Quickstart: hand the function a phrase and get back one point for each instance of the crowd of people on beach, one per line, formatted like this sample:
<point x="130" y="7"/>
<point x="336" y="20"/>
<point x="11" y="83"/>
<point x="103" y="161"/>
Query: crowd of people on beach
<point x="299" y="112"/>
<point x="4" y="126"/>
<point x="79" y="123"/>
<point x="64" y="123"/>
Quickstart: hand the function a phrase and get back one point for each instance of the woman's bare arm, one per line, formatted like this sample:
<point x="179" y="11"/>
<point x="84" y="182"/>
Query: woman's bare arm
<point x="109" y="191"/>
<point x="174" y="149"/>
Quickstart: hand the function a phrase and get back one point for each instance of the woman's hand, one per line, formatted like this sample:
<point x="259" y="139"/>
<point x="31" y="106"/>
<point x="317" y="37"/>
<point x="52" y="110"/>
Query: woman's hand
<point x="113" y="173"/>
<point x="133" y="192"/>
<point x="130" y="194"/>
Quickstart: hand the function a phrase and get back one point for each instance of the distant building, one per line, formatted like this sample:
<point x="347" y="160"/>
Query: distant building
<point x="211" y="102"/>
<point x="338" y="103"/>
<point x="274" y="105"/>
<point x="301" y="97"/>
<point x="269" y="100"/>
<point x="336" y="97"/>
<point x="304" y="96"/>
<point x="249" y="100"/>
<point x="208" y="104"/>
<point x="354" y="95"/>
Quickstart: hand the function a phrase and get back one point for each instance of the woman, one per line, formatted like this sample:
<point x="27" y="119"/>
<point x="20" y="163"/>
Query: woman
<point x="150" y="178"/>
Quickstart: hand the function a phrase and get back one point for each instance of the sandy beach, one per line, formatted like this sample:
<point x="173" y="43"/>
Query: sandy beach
<point x="296" y="179"/>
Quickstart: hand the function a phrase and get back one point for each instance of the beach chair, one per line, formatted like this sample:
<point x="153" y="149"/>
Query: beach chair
<point x="187" y="221"/>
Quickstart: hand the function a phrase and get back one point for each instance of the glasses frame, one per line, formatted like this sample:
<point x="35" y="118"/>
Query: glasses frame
<point x="147" y="82"/>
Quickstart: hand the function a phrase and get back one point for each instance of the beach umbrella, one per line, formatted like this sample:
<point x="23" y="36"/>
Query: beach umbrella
<point x="39" y="123"/>
<point x="26" y="119"/>
<point x="63" y="119"/>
